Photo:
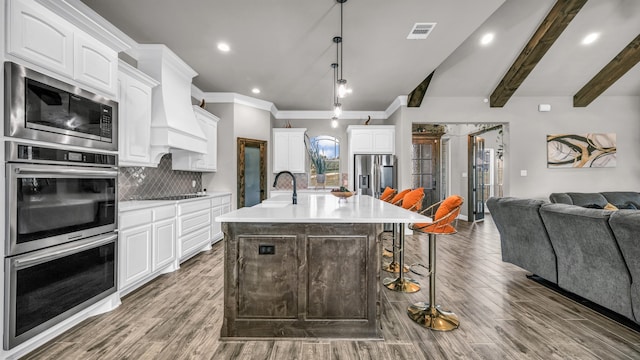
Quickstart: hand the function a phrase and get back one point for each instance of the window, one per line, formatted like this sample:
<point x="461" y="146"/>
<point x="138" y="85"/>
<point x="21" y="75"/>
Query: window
<point x="324" y="151"/>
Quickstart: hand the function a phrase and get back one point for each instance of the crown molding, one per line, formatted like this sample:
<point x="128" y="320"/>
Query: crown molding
<point x="226" y="97"/>
<point x="220" y="97"/>
<point x="396" y="104"/>
<point x="87" y="20"/>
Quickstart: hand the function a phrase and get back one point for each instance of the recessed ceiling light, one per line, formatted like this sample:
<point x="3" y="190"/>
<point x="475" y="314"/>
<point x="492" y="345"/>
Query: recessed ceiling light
<point x="255" y="91"/>
<point x="487" y="39"/>
<point x="589" y="39"/>
<point x="223" y="47"/>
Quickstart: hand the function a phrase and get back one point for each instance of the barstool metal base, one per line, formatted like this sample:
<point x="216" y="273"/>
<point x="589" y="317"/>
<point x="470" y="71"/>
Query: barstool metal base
<point x="394" y="267"/>
<point x="433" y="318"/>
<point x="405" y="285"/>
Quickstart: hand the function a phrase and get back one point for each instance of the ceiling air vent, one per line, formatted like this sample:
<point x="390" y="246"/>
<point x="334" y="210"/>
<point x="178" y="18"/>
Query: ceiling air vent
<point x="420" y="31"/>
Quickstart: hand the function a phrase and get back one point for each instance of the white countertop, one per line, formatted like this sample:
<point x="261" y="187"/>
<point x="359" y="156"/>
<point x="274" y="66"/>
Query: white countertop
<point x="143" y="204"/>
<point x="323" y="208"/>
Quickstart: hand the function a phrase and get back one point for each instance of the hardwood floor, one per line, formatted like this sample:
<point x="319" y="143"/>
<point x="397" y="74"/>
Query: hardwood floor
<point x="503" y="315"/>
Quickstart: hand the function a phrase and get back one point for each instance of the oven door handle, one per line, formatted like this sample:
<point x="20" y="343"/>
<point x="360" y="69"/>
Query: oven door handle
<point x="29" y="170"/>
<point x="38" y="259"/>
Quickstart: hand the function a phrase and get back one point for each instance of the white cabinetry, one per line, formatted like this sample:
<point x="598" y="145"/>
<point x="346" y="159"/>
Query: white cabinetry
<point x="134" y="116"/>
<point x="39" y="36"/>
<point x="372" y="139"/>
<point x="194" y="227"/>
<point x="95" y="64"/>
<point x="135" y="247"/>
<point x="192" y="161"/>
<point x="219" y="205"/>
<point x="164" y="236"/>
<point x="146" y="245"/>
<point x="289" y="150"/>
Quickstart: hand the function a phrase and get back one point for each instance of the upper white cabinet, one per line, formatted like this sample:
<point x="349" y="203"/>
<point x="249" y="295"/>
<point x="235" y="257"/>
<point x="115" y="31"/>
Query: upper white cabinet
<point x="39" y="36"/>
<point x="95" y="64"/>
<point x="134" y="115"/>
<point x="192" y="161"/>
<point x="42" y="38"/>
<point x="371" y="139"/>
<point x="289" y="150"/>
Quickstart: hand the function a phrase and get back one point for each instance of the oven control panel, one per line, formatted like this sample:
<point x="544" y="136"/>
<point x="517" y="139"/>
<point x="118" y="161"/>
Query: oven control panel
<point x="37" y="154"/>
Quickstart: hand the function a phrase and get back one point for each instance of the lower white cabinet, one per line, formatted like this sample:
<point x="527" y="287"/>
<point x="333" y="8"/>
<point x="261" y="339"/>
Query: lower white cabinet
<point x="219" y="205"/>
<point x="194" y="227"/>
<point x="135" y="259"/>
<point x="154" y="240"/>
<point x="147" y="245"/>
<point x="164" y="237"/>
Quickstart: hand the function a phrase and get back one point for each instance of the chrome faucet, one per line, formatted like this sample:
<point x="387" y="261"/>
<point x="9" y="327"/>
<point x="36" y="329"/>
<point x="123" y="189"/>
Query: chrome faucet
<point x="295" y="194"/>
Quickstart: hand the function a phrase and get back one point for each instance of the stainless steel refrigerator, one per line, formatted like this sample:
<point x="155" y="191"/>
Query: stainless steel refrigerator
<point x="374" y="172"/>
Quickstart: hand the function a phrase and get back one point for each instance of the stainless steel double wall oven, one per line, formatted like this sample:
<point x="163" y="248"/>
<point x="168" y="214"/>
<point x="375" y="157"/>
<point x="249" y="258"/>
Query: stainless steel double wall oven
<point x="61" y="202"/>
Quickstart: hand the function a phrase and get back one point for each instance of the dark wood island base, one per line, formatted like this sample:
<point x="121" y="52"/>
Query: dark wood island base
<point x="301" y="280"/>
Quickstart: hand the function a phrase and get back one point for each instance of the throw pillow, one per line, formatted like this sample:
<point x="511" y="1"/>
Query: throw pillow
<point x="610" y="206"/>
<point x="628" y="206"/>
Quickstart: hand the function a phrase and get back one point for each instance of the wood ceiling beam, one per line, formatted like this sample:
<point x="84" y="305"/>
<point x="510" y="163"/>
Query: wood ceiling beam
<point x="547" y="33"/>
<point x="415" y="97"/>
<point x="614" y="70"/>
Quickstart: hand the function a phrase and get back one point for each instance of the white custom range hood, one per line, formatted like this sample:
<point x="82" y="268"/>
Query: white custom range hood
<point x="173" y="123"/>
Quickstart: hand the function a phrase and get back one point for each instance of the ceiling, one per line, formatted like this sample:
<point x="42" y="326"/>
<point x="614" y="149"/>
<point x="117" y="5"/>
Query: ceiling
<point x="285" y="48"/>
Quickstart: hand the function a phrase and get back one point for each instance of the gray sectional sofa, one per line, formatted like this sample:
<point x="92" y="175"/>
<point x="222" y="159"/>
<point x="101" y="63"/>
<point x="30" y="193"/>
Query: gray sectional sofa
<point x="591" y="252"/>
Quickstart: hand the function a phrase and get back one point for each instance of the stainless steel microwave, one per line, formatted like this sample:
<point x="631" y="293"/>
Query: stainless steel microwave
<point x="39" y="107"/>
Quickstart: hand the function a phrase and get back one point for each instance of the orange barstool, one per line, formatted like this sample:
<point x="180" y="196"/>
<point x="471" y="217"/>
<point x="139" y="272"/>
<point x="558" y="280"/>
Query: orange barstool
<point x="387" y="195"/>
<point x="429" y="314"/>
<point x="412" y="201"/>
<point x="393" y="266"/>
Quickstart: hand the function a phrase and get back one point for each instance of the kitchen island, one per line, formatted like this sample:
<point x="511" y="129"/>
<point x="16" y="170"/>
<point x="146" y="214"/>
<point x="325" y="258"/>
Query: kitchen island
<point x="306" y="270"/>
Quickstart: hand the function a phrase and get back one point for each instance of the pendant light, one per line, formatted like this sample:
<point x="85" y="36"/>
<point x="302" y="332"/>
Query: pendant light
<point x="341" y="82"/>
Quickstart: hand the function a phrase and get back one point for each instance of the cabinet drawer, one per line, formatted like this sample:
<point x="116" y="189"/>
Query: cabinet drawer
<point x="164" y="212"/>
<point x="195" y="221"/>
<point x="194" y="241"/>
<point x="219" y="200"/>
<point x="129" y="219"/>
<point x="193" y="206"/>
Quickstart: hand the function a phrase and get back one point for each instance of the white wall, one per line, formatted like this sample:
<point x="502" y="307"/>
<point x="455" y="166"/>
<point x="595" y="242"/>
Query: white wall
<point x="525" y="139"/>
<point x="236" y="121"/>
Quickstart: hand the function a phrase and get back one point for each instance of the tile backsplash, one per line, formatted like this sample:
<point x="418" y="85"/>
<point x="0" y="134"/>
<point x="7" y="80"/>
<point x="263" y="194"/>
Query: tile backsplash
<point x="137" y="183"/>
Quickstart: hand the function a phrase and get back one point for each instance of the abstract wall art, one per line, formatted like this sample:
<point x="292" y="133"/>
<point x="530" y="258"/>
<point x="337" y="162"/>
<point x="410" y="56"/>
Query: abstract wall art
<point x="581" y="150"/>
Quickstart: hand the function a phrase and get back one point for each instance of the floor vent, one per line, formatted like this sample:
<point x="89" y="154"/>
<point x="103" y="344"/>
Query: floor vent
<point x="420" y="31"/>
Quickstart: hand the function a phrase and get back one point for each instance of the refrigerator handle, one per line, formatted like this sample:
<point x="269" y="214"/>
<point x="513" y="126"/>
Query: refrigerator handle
<point x="377" y="178"/>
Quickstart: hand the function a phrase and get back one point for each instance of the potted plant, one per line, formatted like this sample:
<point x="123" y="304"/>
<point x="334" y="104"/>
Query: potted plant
<point x="317" y="159"/>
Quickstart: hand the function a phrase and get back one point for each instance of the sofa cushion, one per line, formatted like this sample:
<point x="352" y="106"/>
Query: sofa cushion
<point x="583" y="199"/>
<point x="622" y="197"/>
<point x="560" y="198"/>
<point x="590" y="263"/>
<point x="523" y="237"/>
<point x="626" y="227"/>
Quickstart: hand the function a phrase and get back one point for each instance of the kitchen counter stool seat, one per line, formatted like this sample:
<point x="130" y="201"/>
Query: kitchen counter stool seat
<point x="430" y="315"/>
<point x="412" y="201"/>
